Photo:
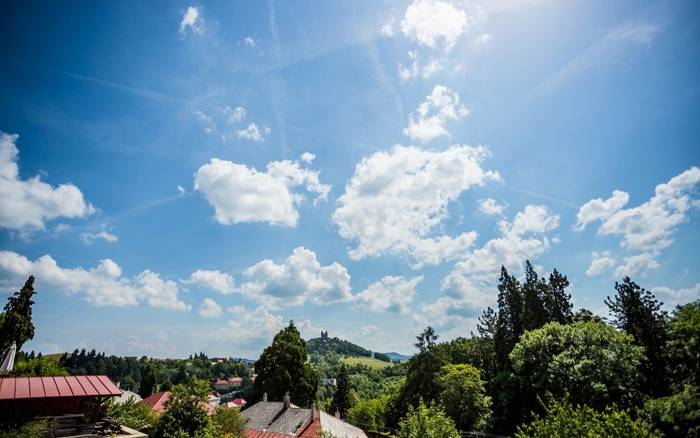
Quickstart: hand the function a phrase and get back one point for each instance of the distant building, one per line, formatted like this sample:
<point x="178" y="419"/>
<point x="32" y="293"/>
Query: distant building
<point x="156" y="402"/>
<point x="284" y="419"/>
<point x="235" y="403"/>
<point x="230" y="384"/>
<point x="329" y="382"/>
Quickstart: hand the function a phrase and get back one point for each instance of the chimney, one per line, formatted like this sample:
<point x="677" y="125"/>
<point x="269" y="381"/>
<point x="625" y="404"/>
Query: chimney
<point x="313" y="411"/>
<point x="286" y="400"/>
<point x="265" y="397"/>
<point x="337" y="414"/>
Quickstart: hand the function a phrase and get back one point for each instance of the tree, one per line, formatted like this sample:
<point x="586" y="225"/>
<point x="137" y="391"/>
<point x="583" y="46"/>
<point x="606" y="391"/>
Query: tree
<point x="593" y="363"/>
<point x="148" y="382"/>
<point x="637" y="312"/>
<point x="421" y="371"/>
<point x="424" y="422"/>
<point x="677" y="415"/>
<point x="509" y="324"/>
<point x="17" y="324"/>
<point x="282" y="367"/>
<point x="229" y="422"/>
<point x="184" y="411"/>
<point x="534" y="292"/>
<point x="132" y="414"/>
<point x="565" y="420"/>
<point x="683" y="345"/>
<point x="558" y="301"/>
<point x="341" y="399"/>
<point x="39" y="366"/>
<point x="475" y="351"/>
<point x="463" y="395"/>
<point x="369" y="414"/>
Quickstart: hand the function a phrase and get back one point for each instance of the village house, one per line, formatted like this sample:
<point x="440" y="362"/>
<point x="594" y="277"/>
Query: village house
<point x="283" y="419"/>
<point x="228" y="385"/>
<point x="157" y="400"/>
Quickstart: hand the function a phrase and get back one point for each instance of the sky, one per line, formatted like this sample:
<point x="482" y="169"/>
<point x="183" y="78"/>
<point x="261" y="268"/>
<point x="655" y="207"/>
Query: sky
<point x="190" y="176"/>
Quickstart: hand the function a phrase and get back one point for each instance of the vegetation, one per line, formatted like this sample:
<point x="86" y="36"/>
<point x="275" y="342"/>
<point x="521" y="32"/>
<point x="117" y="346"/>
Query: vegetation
<point x="565" y="420"/>
<point x="229" y="421"/>
<point x="184" y="412"/>
<point x="463" y="395"/>
<point x="32" y="366"/>
<point x="341" y="399"/>
<point x="132" y="414"/>
<point x="17" y="325"/>
<point x="283" y="368"/>
<point x="366" y="361"/>
<point x="427" y="422"/>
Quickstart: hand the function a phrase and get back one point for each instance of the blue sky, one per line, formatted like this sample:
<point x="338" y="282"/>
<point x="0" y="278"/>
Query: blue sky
<point x="186" y="177"/>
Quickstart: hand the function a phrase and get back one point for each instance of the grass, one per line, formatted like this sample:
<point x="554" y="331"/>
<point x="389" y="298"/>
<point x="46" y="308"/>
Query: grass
<point x="367" y="361"/>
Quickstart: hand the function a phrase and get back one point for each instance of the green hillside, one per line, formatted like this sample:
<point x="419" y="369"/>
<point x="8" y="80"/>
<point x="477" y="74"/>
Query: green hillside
<point x="367" y="361"/>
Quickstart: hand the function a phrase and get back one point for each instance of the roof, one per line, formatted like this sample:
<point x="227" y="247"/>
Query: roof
<point x="126" y="395"/>
<point x="14" y="388"/>
<point x="272" y="417"/>
<point x="156" y="401"/>
<point x="339" y="428"/>
<point x="250" y="433"/>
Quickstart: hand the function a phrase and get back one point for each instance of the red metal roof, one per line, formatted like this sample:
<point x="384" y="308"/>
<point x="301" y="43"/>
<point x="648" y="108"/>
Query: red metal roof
<point x="12" y="388"/>
<point x="156" y="401"/>
<point x="250" y="433"/>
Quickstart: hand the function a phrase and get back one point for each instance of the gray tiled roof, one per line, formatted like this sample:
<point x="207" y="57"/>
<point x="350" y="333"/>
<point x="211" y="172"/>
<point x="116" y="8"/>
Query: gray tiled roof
<point x="271" y="417"/>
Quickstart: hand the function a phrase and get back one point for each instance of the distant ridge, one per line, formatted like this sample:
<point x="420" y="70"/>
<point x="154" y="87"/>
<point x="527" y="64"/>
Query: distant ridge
<point x="325" y="344"/>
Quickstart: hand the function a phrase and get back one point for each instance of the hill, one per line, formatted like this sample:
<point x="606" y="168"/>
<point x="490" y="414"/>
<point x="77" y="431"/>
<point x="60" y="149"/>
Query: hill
<point x="325" y="344"/>
<point x="397" y="357"/>
<point x="366" y="361"/>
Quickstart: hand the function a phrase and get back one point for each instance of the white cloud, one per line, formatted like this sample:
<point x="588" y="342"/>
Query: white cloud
<point x="675" y="297"/>
<point x="298" y="279"/>
<point x="599" y="209"/>
<point x="253" y="133"/>
<point x="642" y="33"/>
<point x="639" y="264"/>
<point x="214" y="280"/>
<point x="192" y="20"/>
<point x="180" y="190"/>
<point x="240" y="193"/>
<point x="434" y="23"/>
<point x="210" y="309"/>
<point x="522" y="239"/>
<point x="428" y="122"/>
<point x="600" y="262"/>
<point x="307" y="157"/>
<point x="491" y="207"/>
<point x="234" y="115"/>
<point x="416" y="68"/>
<point x="396" y="199"/>
<point x="387" y="29"/>
<point x="158" y="292"/>
<point x="250" y="327"/>
<point x="651" y="225"/>
<point x="28" y="204"/>
<point x="249" y="41"/>
<point x="102" y="285"/>
<point x="390" y="294"/>
<point x="89" y="238"/>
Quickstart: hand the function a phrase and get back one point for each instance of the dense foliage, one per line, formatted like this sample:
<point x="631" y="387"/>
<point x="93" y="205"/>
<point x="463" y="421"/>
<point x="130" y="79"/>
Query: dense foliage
<point x="283" y="368"/>
<point x="17" y="325"/>
<point x="565" y="420"/>
<point x="132" y="414"/>
<point x="463" y="395"/>
<point x="591" y="362"/>
<point x="184" y="411"/>
<point x="427" y="422"/>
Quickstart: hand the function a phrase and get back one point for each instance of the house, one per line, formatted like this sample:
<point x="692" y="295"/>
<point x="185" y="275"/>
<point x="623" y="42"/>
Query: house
<point x="227" y="385"/>
<point x="286" y="419"/>
<point x="125" y="397"/>
<point x="329" y="382"/>
<point x="235" y="403"/>
<point x="73" y="405"/>
<point x="157" y="401"/>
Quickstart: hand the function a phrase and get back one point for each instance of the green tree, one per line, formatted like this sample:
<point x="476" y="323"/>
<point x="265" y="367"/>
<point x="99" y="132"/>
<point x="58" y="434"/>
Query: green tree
<point x="676" y="416"/>
<point x="229" y="422"/>
<point x="341" y="399"/>
<point x="534" y="291"/>
<point x="509" y="324"/>
<point x="593" y="363"/>
<point x="39" y="366"/>
<point x="282" y="367"/>
<point x="463" y="395"/>
<point x="148" y="382"/>
<point x="132" y="414"/>
<point x="476" y="351"/>
<point x="17" y="324"/>
<point x="369" y="414"/>
<point x="427" y="422"/>
<point x="185" y="414"/>
<point x="683" y="345"/>
<point x="421" y="371"/>
<point x="558" y="301"/>
<point x="637" y="312"/>
<point x="566" y="421"/>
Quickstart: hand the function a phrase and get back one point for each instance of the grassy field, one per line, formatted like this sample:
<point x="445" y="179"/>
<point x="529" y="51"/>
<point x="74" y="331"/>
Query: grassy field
<point x="368" y="361"/>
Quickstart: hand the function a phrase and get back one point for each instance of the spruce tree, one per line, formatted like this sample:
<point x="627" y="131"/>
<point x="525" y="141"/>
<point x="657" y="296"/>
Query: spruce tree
<point x="509" y="324"/>
<point x="17" y="325"/>
<point x="534" y="292"/>
<point x="558" y="301"/>
<point x="636" y="311"/>
<point x="341" y="399"/>
<point x="148" y="382"/>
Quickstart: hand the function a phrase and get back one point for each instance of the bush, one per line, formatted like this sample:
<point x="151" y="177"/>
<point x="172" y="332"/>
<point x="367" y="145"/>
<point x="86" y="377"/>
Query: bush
<point x="424" y="422"/>
<point x="565" y="420"/>
<point x="132" y="414"/>
<point x="677" y="415"/>
<point x="229" y="421"/>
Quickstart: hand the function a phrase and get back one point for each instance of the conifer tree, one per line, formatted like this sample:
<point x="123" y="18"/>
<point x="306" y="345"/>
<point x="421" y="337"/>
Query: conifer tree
<point x="341" y="399"/>
<point x="17" y="324"/>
